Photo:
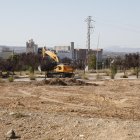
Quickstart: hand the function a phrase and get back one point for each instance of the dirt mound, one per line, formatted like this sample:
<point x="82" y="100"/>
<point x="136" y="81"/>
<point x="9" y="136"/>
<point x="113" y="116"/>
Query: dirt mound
<point x="58" y="82"/>
<point x="64" y="82"/>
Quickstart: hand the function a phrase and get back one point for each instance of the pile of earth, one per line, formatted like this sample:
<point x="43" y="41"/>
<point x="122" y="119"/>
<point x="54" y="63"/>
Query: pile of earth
<point x="58" y="82"/>
<point x="64" y="82"/>
<point x="55" y="82"/>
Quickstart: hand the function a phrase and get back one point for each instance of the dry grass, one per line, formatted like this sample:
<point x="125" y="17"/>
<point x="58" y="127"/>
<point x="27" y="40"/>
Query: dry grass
<point x="98" y="76"/>
<point x="18" y="115"/>
<point x="85" y="76"/>
<point x="120" y="71"/>
<point x="132" y="72"/>
<point x="91" y="71"/>
<point x="2" y="81"/>
<point x="39" y="73"/>
<point x="54" y="126"/>
<point x="125" y="75"/>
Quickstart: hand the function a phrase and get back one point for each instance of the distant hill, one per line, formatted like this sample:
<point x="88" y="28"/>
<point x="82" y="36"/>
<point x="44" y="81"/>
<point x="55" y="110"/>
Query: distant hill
<point x="119" y="49"/>
<point x="17" y="49"/>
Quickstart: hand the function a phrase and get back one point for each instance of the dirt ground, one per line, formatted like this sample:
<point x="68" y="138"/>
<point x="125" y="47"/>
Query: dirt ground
<point x="71" y="110"/>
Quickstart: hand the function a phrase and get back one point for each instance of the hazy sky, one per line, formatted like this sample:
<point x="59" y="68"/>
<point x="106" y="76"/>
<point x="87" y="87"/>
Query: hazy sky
<point x="58" y="22"/>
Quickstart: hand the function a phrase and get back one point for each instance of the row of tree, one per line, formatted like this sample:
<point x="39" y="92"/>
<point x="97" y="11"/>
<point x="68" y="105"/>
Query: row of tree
<point x="31" y="62"/>
<point x="129" y="61"/>
<point x="25" y="61"/>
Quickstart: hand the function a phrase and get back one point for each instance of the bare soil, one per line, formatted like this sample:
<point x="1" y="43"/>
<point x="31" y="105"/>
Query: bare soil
<point x="66" y="109"/>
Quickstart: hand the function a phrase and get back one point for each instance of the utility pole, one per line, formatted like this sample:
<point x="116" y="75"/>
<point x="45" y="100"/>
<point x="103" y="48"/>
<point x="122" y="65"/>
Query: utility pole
<point x="97" y="57"/>
<point x="89" y="31"/>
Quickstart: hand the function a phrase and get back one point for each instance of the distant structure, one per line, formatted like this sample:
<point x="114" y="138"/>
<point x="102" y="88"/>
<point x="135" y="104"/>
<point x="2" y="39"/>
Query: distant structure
<point x="76" y="54"/>
<point x="65" y="51"/>
<point x="31" y="47"/>
<point x="6" y="52"/>
<point x="89" y="31"/>
<point x="40" y="49"/>
<point x="81" y="54"/>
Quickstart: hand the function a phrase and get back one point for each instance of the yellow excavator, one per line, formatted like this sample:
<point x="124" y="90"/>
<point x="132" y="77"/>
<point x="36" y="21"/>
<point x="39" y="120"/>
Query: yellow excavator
<point x="62" y="70"/>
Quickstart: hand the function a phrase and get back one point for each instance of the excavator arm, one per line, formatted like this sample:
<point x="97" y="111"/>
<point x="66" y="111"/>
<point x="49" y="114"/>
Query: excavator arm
<point x="51" y="54"/>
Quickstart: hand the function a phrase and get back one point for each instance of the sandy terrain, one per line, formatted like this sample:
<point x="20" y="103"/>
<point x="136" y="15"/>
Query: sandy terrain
<point x="107" y="110"/>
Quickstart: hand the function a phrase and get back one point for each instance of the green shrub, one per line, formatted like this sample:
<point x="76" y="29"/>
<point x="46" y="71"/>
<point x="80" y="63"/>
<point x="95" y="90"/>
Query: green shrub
<point x="32" y="77"/>
<point x="11" y="79"/>
<point x="137" y="71"/>
<point x="113" y="72"/>
<point x="30" y="70"/>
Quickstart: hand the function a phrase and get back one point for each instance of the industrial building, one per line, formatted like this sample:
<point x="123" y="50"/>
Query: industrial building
<point x="6" y="52"/>
<point x="76" y="54"/>
<point x="65" y="51"/>
<point x="80" y="54"/>
<point x="31" y="47"/>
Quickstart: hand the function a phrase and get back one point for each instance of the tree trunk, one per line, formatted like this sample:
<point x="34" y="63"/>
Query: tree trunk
<point x="20" y="73"/>
<point x="45" y="75"/>
<point x="84" y="70"/>
<point x="124" y="70"/>
<point x="7" y="73"/>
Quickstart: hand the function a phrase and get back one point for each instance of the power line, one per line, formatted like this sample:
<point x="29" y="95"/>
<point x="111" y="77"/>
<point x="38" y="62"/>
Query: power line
<point x="118" y="22"/>
<point x="110" y="45"/>
<point x="117" y="27"/>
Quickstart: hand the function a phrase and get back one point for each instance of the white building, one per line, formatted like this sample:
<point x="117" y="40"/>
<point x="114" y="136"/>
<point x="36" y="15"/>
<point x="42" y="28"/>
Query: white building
<point x="31" y="47"/>
<point x="6" y="52"/>
<point x="65" y="51"/>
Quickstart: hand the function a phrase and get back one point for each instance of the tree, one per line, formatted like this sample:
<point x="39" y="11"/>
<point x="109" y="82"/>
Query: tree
<point x="92" y="61"/>
<point x="6" y="65"/>
<point x="14" y="62"/>
<point x="14" y="57"/>
<point x="32" y="60"/>
<point x="66" y="60"/>
<point x="21" y="62"/>
<point x="1" y="67"/>
<point x="113" y="71"/>
<point x="135" y="63"/>
<point x="47" y="64"/>
<point x="81" y="65"/>
<point x="73" y="65"/>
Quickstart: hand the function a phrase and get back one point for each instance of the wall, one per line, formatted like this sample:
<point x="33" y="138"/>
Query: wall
<point x="6" y="54"/>
<point x="66" y="54"/>
<point x="57" y="48"/>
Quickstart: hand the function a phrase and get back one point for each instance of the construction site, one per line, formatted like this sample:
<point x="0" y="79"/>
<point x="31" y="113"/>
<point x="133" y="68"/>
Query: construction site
<point x="56" y="109"/>
<point x="43" y="98"/>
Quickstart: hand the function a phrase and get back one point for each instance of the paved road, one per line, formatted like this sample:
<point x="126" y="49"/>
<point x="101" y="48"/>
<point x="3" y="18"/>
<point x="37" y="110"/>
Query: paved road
<point x="91" y="76"/>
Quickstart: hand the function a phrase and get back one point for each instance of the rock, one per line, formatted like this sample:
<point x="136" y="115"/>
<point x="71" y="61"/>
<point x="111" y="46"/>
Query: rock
<point x="41" y="133"/>
<point x="81" y="135"/>
<point x="97" y="124"/>
<point x="10" y="134"/>
<point x="12" y="113"/>
<point x="91" y="119"/>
